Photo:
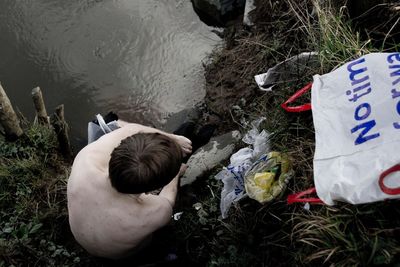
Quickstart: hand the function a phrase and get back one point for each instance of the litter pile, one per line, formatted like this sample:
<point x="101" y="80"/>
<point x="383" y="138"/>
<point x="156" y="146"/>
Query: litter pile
<point x="255" y="172"/>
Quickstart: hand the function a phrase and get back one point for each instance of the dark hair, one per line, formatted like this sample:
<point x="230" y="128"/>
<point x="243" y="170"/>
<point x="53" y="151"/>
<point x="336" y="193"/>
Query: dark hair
<point x="144" y="162"/>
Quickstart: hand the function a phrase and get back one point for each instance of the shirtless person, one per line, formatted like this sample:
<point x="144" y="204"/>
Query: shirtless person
<point x="110" y="212"/>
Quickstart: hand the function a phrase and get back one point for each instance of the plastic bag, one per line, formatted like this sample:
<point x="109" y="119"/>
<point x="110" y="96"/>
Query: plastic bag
<point x="267" y="178"/>
<point x="95" y="131"/>
<point x="356" y="113"/>
<point x="233" y="175"/>
<point x="283" y="71"/>
<point x="233" y="179"/>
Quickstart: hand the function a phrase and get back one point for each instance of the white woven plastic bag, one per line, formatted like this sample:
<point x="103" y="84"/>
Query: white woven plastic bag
<point x="356" y="113"/>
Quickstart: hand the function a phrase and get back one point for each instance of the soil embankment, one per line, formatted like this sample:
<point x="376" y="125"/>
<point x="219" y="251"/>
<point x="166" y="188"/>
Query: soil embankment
<point x="230" y="84"/>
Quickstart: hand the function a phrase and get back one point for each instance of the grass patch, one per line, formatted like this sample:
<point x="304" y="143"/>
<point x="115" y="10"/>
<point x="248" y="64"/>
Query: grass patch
<point x="330" y="32"/>
<point x="33" y="217"/>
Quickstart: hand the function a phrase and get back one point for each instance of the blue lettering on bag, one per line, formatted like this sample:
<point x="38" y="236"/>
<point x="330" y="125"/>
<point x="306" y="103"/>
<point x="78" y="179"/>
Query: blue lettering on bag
<point x="361" y="86"/>
<point x="395" y="73"/>
<point x="353" y="72"/>
<point x="395" y="93"/>
<point x="396" y="125"/>
<point x="237" y="173"/>
<point x="357" y="112"/>
<point x="366" y="127"/>
<point x="238" y="190"/>
<point x="396" y="56"/>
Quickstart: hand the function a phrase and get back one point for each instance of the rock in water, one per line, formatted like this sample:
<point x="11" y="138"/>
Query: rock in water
<point x="214" y="12"/>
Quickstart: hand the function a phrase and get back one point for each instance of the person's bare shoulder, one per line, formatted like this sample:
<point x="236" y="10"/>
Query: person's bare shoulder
<point x="157" y="211"/>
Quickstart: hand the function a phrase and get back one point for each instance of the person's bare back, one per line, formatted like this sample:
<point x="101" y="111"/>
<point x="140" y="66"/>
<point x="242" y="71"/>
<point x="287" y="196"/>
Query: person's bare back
<point x="108" y="223"/>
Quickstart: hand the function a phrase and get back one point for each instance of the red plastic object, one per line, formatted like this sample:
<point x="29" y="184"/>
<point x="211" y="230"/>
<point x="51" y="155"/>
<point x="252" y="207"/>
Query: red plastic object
<point x="296" y="198"/>
<point x="299" y="93"/>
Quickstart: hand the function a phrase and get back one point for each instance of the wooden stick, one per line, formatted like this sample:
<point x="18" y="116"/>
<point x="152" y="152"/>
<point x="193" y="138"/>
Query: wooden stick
<point x="41" y="112"/>
<point x="61" y="129"/>
<point x="8" y="118"/>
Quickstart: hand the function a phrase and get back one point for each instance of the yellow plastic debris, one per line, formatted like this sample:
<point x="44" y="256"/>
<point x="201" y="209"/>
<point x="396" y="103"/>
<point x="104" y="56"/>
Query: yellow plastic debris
<point x="268" y="176"/>
<point x="264" y="179"/>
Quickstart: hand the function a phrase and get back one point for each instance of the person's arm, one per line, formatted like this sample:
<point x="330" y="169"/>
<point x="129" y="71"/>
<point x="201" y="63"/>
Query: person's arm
<point x="170" y="190"/>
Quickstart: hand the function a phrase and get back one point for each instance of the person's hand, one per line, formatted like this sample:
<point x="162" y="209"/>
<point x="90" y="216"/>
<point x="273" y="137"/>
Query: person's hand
<point x="184" y="143"/>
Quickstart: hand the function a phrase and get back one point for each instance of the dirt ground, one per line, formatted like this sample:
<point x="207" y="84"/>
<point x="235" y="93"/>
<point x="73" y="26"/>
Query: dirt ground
<point x="249" y="51"/>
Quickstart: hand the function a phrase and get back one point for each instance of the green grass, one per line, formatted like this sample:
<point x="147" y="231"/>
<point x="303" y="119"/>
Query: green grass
<point x="335" y="39"/>
<point x="33" y="214"/>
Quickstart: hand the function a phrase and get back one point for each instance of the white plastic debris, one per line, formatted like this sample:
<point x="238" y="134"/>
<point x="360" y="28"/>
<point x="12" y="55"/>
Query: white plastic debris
<point x="233" y="175"/>
<point x="177" y="215"/>
<point x="285" y="70"/>
<point x="259" y="140"/>
<point x="197" y="206"/>
<point x="250" y="6"/>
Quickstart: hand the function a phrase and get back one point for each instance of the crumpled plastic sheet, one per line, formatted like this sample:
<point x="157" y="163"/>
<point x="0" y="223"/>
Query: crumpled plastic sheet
<point x="250" y="6"/>
<point x="283" y="71"/>
<point x="233" y="175"/>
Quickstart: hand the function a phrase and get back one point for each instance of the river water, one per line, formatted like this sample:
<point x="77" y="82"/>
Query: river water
<point x="140" y="58"/>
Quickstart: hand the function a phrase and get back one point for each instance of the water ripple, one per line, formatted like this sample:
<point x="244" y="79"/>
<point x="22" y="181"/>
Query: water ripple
<point x="139" y="57"/>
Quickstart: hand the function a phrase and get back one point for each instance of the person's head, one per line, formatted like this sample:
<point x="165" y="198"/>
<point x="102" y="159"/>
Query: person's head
<point x="144" y="162"/>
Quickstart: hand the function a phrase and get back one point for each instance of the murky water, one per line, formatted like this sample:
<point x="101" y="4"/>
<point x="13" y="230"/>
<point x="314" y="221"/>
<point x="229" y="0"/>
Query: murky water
<point x="141" y="58"/>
